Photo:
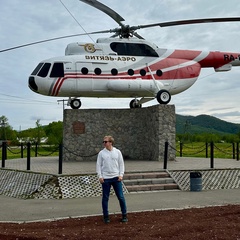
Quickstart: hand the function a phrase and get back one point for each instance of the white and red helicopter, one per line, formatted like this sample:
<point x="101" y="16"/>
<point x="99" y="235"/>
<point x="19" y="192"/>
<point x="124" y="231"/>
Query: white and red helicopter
<point x="128" y="66"/>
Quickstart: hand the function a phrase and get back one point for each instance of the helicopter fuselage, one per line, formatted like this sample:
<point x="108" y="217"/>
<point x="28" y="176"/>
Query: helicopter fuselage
<point x="124" y="68"/>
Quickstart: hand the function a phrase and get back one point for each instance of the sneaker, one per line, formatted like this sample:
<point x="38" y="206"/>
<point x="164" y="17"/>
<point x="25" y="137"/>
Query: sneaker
<point x="106" y="219"/>
<point x="124" y="219"/>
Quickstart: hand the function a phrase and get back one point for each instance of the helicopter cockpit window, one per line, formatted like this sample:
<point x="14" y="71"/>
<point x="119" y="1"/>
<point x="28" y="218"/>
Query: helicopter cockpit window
<point x="57" y="70"/>
<point x="35" y="71"/>
<point x="44" y="70"/>
<point x="133" y="49"/>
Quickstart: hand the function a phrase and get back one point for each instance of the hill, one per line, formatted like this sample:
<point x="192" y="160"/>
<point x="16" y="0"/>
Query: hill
<point x="204" y="124"/>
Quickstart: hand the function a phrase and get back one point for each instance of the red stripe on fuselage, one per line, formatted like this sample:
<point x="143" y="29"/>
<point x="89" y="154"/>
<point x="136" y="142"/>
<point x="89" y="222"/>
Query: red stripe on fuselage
<point x="218" y="59"/>
<point x="59" y="82"/>
<point x="185" y="54"/>
<point x="162" y="64"/>
<point x="177" y="55"/>
<point x="55" y="86"/>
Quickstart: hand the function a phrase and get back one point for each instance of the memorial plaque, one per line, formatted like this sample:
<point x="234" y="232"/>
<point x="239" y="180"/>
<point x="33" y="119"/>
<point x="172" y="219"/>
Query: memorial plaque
<point x="78" y="127"/>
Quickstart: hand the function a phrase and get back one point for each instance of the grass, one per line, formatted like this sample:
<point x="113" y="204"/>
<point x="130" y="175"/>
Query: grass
<point x="203" y="150"/>
<point x="16" y="152"/>
<point x="195" y="149"/>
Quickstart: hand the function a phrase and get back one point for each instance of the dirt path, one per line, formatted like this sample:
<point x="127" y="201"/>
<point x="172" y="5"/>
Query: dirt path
<point x="197" y="223"/>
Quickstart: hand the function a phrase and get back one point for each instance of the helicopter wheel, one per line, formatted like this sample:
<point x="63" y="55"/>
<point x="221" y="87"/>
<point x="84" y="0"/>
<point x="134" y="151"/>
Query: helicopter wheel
<point x="163" y="97"/>
<point x="135" y="104"/>
<point x="75" y="104"/>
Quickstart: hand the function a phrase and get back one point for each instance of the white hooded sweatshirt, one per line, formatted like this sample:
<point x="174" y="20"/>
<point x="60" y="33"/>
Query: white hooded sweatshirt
<point x="110" y="164"/>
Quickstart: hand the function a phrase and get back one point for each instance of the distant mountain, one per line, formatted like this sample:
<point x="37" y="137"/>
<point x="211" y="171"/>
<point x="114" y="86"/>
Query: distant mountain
<point x="204" y="124"/>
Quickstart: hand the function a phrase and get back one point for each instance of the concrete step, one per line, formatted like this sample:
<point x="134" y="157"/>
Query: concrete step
<point x="143" y="175"/>
<point x="149" y="181"/>
<point x="152" y="187"/>
<point x="145" y="181"/>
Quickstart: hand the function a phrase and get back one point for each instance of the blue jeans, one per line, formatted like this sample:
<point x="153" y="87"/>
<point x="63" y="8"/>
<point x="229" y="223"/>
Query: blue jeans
<point x="117" y="186"/>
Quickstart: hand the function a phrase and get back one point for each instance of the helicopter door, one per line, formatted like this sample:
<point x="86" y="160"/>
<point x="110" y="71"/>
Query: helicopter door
<point x="84" y="77"/>
<point x="99" y="82"/>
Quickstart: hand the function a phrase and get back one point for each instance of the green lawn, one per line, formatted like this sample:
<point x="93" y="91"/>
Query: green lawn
<point x="196" y="149"/>
<point x="15" y="152"/>
<point x="199" y="149"/>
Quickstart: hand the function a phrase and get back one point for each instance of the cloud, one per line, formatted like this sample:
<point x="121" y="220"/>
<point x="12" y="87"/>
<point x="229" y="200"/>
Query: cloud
<point x="26" y="21"/>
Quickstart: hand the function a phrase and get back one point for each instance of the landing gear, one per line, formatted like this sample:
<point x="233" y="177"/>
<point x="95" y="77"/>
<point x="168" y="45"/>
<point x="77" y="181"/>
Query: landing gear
<point x="75" y="103"/>
<point x="135" y="103"/>
<point x="163" y="97"/>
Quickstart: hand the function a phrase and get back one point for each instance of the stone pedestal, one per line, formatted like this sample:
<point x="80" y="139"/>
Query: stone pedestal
<point x="139" y="133"/>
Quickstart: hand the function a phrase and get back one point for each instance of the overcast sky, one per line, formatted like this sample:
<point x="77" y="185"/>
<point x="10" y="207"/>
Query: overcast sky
<point x="25" y="21"/>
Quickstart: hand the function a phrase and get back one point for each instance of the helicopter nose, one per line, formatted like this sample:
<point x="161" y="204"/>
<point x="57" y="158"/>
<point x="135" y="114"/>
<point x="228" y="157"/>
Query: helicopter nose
<point x="32" y="84"/>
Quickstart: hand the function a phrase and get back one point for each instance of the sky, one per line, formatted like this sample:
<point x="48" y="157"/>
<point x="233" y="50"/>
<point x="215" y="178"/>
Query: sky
<point x="25" y="21"/>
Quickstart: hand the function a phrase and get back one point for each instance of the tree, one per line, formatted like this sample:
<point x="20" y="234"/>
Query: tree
<point x="38" y="132"/>
<point x="54" y="132"/>
<point x="4" y="125"/>
<point x="6" y="131"/>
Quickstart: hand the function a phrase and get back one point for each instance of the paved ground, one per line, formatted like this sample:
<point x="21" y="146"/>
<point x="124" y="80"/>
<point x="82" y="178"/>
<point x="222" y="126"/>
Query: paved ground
<point x="13" y="209"/>
<point x="50" y="165"/>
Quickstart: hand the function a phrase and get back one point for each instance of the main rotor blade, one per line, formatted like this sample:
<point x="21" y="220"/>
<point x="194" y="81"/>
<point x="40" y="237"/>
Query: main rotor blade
<point x="52" y="39"/>
<point x="190" y="21"/>
<point x="203" y="20"/>
<point x="111" y="13"/>
<point x="137" y="35"/>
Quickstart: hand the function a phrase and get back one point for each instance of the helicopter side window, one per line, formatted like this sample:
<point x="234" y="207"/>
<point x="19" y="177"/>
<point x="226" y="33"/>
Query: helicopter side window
<point x="44" y="70"/>
<point x="159" y="72"/>
<point x="143" y="72"/>
<point x="114" y="72"/>
<point x="130" y="72"/>
<point x="35" y="71"/>
<point x="119" y="48"/>
<point x="57" y="70"/>
<point x="133" y="49"/>
<point x="84" y="71"/>
<point x="148" y="51"/>
<point x="97" y="71"/>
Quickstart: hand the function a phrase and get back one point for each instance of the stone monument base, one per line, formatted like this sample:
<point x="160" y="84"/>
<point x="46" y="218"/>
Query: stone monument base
<point x="140" y="133"/>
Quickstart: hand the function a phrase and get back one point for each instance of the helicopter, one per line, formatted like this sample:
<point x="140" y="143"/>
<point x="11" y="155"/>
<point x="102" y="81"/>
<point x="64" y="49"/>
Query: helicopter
<point x="126" y="65"/>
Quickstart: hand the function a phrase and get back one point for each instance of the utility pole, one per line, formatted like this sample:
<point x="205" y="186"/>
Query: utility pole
<point x="63" y="103"/>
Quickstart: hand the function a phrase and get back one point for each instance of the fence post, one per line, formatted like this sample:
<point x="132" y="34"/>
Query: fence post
<point x="237" y="151"/>
<point x="233" y="148"/>
<point x="4" y="146"/>
<point x="206" y="150"/>
<point x="181" y="148"/>
<point x="5" y="150"/>
<point x="28" y="155"/>
<point x="21" y="150"/>
<point x="212" y="155"/>
<point x="36" y="149"/>
<point x="165" y="155"/>
<point x="60" y="159"/>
